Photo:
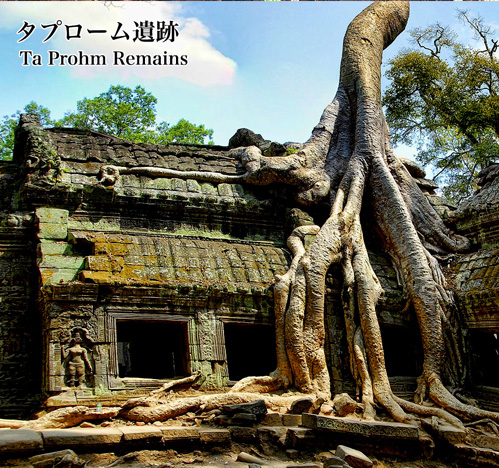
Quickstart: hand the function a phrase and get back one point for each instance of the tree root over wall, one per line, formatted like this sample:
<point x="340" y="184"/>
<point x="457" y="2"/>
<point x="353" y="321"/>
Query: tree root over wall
<point x="348" y="163"/>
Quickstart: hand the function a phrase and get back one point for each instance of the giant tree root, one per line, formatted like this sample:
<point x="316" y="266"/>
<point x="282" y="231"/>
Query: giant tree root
<point x="135" y="409"/>
<point x="179" y="406"/>
<point x="70" y="417"/>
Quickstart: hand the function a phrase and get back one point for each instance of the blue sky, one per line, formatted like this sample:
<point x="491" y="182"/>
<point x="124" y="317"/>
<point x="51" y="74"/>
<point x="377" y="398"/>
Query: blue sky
<point x="268" y="66"/>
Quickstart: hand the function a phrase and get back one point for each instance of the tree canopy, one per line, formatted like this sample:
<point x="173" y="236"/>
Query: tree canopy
<point x="121" y="111"/>
<point x="443" y="98"/>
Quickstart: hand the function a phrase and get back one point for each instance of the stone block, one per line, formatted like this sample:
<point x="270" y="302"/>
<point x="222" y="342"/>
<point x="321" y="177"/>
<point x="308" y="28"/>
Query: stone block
<point x="81" y="437"/>
<point x="49" y="247"/>
<point x="292" y="419"/>
<point x="243" y="419"/>
<point x="273" y="435"/>
<point x="302" y="405"/>
<point x="52" y="215"/>
<point x="344" y="404"/>
<point x="371" y="429"/>
<point x="214" y="436"/>
<point x="143" y="433"/>
<point x="258" y="408"/>
<point x="111" y="248"/>
<point x="272" y="419"/>
<point x="225" y="190"/>
<point x="60" y="458"/>
<point x="355" y="458"/>
<point x="454" y="435"/>
<point x="334" y="462"/>
<point x="243" y="434"/>
<point x="62" y="262"/>
<point x="179" y="433"/>
<point x="52" y="231"/>
<point x="56" y="276"/>
<point x="20" y="440"/>
<point x="300" y="436"/>
<point x="304" y="465"/>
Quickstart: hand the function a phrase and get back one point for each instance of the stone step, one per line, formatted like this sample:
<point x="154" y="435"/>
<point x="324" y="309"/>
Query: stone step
<point x="20" y="441"/>
<point x="363" y="428"/>
<point x="385" y="438"/>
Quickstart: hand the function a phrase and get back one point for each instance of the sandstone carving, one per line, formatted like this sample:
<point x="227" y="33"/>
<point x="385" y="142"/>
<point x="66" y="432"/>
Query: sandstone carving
<point x="75" y="358"/>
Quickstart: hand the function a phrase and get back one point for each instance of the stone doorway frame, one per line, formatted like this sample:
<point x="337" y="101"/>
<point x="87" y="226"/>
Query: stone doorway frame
<point x="112" y="319"/>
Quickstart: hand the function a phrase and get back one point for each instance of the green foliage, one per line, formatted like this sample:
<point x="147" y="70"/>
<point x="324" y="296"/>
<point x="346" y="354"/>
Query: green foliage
<point x="443" y="98"/>
<point x="131" y="114"/>
<point x="183" y="132"/>
<point x="120" y="111"/>
<point x="9" y="123"/>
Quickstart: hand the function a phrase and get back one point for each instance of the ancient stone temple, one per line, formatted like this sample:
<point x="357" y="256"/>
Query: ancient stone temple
<point x="109" y="290"/>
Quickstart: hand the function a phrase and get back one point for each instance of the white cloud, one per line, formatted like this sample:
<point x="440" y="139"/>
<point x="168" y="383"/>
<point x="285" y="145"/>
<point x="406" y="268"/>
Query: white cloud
<point x="206" y="66"/>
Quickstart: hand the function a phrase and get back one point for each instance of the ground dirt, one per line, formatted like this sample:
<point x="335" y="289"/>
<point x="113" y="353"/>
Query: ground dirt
<point x="218" y="458"/>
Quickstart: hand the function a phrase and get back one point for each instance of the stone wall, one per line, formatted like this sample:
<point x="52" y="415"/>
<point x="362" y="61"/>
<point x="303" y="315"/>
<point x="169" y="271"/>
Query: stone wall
<point x="477" y="286"/>
<point x="20" y="332"/>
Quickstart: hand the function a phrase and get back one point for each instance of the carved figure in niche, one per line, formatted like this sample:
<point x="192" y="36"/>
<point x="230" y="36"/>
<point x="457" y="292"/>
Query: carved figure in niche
<point x="75" y="358"/>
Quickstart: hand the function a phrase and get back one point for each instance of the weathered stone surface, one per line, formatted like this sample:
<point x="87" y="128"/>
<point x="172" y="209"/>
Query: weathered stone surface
<point x="245" y="137"/>
<point x="243" y="419"/>
<point x="414" y="168"/>
<point x="143" y="434"/>
<point x="243" y="434"/>
<point x="20" y="358"/>
<point x="455" y="435"/>
<point x="256" y="408"/>
<point x="292" y="419"/>
<point x="20" y="440"/>
<point x="355" y="458"/>
<point x="304" y="465"/>
<point x="478" y="217"/>
<point x="272" y="419"/>
<point x="326" y="409"/>
<point x="81" y="437"/>
<point x="272" y="433"/>
<point x="333" y="461"/>
<point x="475" y="456"/>
<point x="302" y="405"/>
<point x="64" y="458"/>
<point x="427" y="185"/>
<point x="172" y="433"/>
<point x="478" y="288"/>
<point x="214" y="436"/>
<point x="374" y="429"/>
<point x="343" y="404"/>
<point x="52" y="223"/>
<point x="301" y="437"/>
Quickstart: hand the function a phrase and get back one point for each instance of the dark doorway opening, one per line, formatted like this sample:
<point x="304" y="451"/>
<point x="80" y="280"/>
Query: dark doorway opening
<point x="152" y="349"/>
<point x="403" y="351"/>
<point x="484" y="348"/>
<point x="250" y="350"/>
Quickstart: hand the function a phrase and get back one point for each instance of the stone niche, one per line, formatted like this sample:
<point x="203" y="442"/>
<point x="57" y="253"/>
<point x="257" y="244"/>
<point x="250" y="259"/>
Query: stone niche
<point x="127" y="286"/>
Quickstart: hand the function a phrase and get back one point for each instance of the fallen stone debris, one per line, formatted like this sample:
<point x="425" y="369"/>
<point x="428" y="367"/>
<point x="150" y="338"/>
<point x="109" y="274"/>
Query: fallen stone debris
<point x="244" y="435"/>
